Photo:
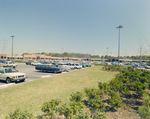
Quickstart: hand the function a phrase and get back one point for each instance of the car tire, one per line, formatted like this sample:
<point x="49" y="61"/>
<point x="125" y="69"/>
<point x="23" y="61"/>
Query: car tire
<point x="8" y="80"/>
<point x="23" y="80"/>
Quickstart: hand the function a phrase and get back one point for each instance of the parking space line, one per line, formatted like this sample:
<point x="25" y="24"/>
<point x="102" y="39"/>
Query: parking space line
<point x="45" y="76"/>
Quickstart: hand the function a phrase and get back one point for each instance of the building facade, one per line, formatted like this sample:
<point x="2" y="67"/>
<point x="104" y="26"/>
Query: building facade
<point x="36" y="56"/>
<point x="6" y="56"/>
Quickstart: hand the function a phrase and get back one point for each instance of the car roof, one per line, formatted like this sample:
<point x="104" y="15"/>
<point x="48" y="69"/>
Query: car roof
<point x="7" y="68"/>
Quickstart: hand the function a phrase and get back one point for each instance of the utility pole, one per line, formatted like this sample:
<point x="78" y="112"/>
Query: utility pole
<point x="107" y="51"/>
<point x="62" y="52"/>
<point x="12" y="46"/>
<point x="120" y="26"/>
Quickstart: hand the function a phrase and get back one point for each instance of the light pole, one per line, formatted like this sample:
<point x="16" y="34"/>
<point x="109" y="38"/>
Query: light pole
<point x="62" y="52"/>
<point x="120" y="26"/>
<point x="107" y="51"/>
<point x="12" y="46"/>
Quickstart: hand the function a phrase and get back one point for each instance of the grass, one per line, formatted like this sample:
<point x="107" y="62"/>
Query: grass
<point x="30" y="96"/>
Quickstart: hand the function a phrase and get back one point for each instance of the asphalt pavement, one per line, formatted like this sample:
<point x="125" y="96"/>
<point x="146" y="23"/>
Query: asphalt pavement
<point x="31" y="73"/>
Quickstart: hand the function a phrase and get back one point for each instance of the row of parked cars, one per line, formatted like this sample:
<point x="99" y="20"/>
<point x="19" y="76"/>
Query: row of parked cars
<point x="9" y="73"/>
<point x="5" y="63"/>
<point x="57" y="66"/>
<point x="132" y="64"/>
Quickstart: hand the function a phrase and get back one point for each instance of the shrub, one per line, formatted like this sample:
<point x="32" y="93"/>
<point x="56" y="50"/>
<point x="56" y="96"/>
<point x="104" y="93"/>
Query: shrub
<point x="68" y="112"/>
<point x="77" y="97"/>
<point x="51" y="107"/>
<point x="115" y="100"/>
<point x="92" y="93"/>
<point x="144" y="112"/>
<point x="77" y="107"/>
<point x="96" y="104"/>
<point x="103" y="86"/>
<point x="143" y="80"/>
<point x="100" y="115"/>
<point x="82" y="116"/>
<point x="17" y="114"/>
<point x="139" y="87"/>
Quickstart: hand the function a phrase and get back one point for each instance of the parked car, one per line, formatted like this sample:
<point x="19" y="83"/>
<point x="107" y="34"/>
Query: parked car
<point x="49" y="68"/>
<point x="114" y="63"/>
<point x="35" y="63"/>
<point x="66" y="67"/>
<point x="29" y="62"/>
<point x="88" y="64"/>
<point x="46" y="62"/>
<point x="71" y="66"/>
<point x="141" y="67"/>
<point x="9" y="64"/>
<point x="77" y="66"/>
<point x="83" y="65"/>
<point x="11" y="74"/>
<point x="147" y="66"/>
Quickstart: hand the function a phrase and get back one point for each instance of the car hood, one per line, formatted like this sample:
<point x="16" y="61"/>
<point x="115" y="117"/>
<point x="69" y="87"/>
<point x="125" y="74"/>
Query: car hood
<point x="15" y="74"/>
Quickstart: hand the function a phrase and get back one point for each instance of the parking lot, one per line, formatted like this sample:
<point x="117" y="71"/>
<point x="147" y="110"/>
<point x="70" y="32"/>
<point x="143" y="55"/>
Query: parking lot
<point x="30" y="71"/>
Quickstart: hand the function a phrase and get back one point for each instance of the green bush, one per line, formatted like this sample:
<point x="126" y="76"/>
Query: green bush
<point x="139" y="87"/>
<point x="92" y="93"/>
<point x="103" y="86"/>
<point x="77" y="97"/>
<point x="82" y="116"/>
<point x="77" y="107"/>
<point x="115" y="100"/>
<point x="17" y="114"/>
<point x="100" y="115"/>
<point x="51" y="107"/>
<point x="96" y="104"/>
<point x="144" y="112"/>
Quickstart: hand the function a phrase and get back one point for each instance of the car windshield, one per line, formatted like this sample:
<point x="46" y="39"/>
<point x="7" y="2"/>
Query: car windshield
<point x="60" y="66"/>
<point x="11" y="62"/>
<point x="10" y="70"/>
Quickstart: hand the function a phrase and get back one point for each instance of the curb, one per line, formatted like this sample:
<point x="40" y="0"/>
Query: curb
<point x="6" y="85"/>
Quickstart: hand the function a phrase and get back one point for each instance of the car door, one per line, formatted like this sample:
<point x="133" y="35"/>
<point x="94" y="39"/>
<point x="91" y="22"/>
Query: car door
<point x="2" y="74"/>
<point x="52" y="68"/>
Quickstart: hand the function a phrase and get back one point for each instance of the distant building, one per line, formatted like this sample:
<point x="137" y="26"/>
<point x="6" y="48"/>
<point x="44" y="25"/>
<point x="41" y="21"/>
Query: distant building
<point x="6" y="56"/>
<point x="36" y="56"/>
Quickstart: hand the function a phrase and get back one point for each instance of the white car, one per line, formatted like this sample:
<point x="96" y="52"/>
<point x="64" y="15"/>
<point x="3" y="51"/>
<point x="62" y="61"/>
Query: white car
<point x="71" y="66"/>
<point x="140" y="67"/>
<point x="9" y="64"/>
<point x="35" y="63"/>
<point x="78" y="66"/>
<point x="11" y="74"/>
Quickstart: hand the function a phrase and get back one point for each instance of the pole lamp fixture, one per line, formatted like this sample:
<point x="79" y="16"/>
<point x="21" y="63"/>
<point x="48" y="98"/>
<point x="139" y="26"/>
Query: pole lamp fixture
<point x="120" y="26"/>
<point x="12" y="46"/>
<point x="62" y="52"/>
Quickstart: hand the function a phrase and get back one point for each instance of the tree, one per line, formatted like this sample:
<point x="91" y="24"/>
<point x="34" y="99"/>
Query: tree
<point x="65" y="54"/>
<point x="95" y="56"/>
<point x="49" y="54"/>
<point x="43" y="53"/>
<point x="56" y="55"/>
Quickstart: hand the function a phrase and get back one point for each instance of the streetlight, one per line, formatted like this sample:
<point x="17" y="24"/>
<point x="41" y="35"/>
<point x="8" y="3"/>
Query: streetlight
<point x="62" y="52"/>
<point x="120" y="26"/>
<point x="107" y="51"/>
<point x="12" y="46"/>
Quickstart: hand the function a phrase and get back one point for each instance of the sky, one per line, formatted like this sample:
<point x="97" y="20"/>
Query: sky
<point x="75" y="26"/>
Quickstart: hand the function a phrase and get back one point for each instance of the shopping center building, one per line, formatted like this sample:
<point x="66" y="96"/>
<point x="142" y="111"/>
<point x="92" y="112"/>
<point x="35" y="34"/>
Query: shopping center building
<point x="40" y="56"/>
